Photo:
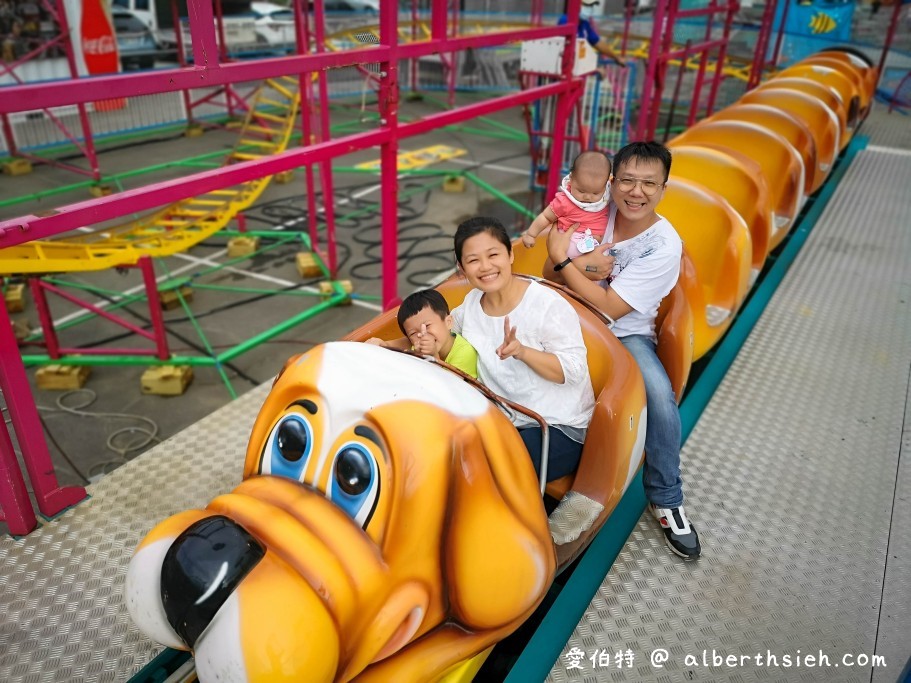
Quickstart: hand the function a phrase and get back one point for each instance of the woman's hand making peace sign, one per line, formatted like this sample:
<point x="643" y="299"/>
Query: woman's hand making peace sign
<point x="511" y="346"/>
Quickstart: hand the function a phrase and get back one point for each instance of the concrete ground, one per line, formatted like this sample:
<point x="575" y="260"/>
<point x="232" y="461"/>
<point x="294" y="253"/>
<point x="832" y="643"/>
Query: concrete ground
<point x="428" y="216"/>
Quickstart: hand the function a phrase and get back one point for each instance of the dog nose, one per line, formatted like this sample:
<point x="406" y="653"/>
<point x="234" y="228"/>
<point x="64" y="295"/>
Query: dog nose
<point x="200" y="571"/>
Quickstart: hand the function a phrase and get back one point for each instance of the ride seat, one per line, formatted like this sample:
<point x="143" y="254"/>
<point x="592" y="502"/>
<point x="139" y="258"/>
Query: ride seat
<point x="740" y="181"/>
<point x="848" y="90"/>
<point x="824" y="93"/>
<point x="789" y="127"/>
<point x="861" y="74"/>
<point x="780" y="162"/>
<point x="717" y="242"/>
<point x="819" y="119"/>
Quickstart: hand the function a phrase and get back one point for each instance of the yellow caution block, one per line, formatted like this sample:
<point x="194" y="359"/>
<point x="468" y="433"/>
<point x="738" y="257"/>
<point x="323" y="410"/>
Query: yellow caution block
<point x="15" y="298"/>
<point x="62" y="377"/>
<point x="17" y="167"/>
<point x="418" y="158"/>
<point x="242" y="246"/>
<point x="326" y="289"/>
<point x="308" y="265"/>
<point x="194" y="130"/>
<point x="170" y="300"/>
<point x="22" y="328"/>
<point x="454" y="183"/>
<point x="100" y="190"/>
<point x="167" y="380"/>
<point x="283" y="177"/>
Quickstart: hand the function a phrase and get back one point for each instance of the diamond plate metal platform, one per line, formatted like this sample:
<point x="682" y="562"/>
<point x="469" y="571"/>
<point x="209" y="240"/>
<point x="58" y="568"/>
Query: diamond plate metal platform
<point x="64" y="617"/>
<point x="792" y="477"/>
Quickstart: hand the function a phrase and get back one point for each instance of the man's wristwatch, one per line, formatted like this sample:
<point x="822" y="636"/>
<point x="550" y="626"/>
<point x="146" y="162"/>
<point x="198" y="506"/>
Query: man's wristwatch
<point x="560" y="266"/>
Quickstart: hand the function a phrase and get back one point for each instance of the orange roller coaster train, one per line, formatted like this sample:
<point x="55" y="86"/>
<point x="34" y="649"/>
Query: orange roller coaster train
<point x="390" y="525"/>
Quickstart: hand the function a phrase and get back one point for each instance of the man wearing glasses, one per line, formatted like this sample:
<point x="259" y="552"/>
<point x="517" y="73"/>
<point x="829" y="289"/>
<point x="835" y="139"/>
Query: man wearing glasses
<point x="627" y="281"/>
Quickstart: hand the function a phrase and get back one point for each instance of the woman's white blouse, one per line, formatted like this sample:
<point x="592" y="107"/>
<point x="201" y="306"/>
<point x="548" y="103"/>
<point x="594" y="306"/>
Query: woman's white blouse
<point x="543" y="321"/>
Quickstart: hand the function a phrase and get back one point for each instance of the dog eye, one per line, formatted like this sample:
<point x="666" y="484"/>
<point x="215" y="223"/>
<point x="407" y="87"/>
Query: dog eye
<point x="352" y="471"/>
<point x="355" y="482"/>
<point x="292" y="440"/>
<point x="288" y="448"/>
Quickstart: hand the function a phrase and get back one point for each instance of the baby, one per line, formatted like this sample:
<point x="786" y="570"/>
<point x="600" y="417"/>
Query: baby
<point x="425" y="321"/>
<point x="582" y="198"/>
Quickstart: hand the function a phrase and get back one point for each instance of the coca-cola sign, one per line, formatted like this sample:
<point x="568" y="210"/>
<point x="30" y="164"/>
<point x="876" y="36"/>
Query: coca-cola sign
<point x="99" y="46"/>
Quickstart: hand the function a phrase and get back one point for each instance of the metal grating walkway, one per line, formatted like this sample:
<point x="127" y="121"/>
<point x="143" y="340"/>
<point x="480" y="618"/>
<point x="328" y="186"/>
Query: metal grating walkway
<point x="793" y="477"/>
<point x="61" y="587"/>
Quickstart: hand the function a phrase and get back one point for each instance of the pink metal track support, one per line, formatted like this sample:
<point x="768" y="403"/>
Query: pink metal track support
<point x="661" y="52"/>
<point x="89" y="144"/>
<point x="890" y="35"/>
<point x="158" y="335"/>
<point x="780" y="38"/>
<point x="307" y="119"/>
<point x="181" y="59"/>
<point x="45" y="317"/>
<point x="51" y="497"/>
<point x="40" y="95"/>
<point x="8" y="135"/>
<point x="760" y="54"/>
<point x="15" y="506"/>
<point x="325" y="166"/>
<point x="389" y="119"/>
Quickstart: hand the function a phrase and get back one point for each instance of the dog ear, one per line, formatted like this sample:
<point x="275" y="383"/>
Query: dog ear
<point x="498" y="555"/>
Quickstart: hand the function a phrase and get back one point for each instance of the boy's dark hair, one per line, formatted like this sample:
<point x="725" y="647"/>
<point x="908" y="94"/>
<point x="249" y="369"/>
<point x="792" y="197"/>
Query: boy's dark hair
<point x="417" y="302"/>
<point x="645" y="151"/>
<point x="591" y="160"/>
<point x="477" y="225"/>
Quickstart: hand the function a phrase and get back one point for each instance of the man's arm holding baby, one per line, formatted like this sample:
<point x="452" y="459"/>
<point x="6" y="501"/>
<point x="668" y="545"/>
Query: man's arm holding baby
<point x="583" y="273"/>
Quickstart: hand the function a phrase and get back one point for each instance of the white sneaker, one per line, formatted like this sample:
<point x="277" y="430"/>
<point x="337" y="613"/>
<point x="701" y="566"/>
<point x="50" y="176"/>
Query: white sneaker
<point x="680" y="535"/>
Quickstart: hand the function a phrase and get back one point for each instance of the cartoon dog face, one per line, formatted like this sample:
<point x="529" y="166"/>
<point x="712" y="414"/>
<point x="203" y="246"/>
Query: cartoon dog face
<point x="389" y="526"/>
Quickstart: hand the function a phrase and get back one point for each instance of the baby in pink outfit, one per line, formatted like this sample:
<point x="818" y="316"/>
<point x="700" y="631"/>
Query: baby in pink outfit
<point x="582" y="198"/>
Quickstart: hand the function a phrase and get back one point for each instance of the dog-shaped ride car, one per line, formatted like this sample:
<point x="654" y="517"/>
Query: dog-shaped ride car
<point x="389" y="526"/>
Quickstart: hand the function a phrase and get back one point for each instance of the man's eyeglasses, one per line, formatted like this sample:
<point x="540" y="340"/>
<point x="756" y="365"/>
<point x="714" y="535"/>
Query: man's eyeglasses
<point x="649" y="187"/>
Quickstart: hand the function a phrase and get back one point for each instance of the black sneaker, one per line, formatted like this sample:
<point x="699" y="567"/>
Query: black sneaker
<point x="680" y="535"/>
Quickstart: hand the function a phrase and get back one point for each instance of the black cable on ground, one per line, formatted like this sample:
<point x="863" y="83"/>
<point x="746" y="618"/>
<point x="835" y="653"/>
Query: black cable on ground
<point x="63" y="453"/>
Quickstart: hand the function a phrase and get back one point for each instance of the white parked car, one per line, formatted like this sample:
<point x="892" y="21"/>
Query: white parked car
<point x="274" y="23"/>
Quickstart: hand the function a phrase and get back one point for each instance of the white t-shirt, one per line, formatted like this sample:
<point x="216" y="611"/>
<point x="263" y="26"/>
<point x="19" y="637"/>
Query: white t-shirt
<point x="545" y="321"/>
<point x="646" y="268"/>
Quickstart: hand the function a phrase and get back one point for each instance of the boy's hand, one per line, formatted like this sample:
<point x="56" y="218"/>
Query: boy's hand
<point x="511" y="346"/>
<point x="528" y="240"/>
<point x="375" y="341"/>
<point x="425" y="344"/>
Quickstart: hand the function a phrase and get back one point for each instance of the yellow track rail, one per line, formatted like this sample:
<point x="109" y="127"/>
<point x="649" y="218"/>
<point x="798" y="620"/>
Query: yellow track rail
<point x="266" y="130"/>
<point x="637" y="46"/>
<point x="363" y="36"/>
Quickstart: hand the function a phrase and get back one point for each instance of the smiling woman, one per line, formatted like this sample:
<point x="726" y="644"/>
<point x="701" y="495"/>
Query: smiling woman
<point x="529" y="344"/>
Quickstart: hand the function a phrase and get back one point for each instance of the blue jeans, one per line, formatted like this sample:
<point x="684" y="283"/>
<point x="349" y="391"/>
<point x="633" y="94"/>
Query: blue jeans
<point x="661" y="472"/>
<point x="563" y="454"/>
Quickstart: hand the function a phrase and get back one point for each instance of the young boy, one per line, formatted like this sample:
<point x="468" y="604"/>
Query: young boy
<point x="425" y="320"/>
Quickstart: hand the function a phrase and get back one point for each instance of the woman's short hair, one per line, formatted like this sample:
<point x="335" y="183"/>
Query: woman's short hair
<point x="477" y="225"/>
